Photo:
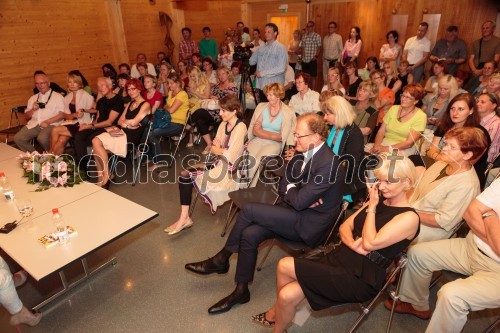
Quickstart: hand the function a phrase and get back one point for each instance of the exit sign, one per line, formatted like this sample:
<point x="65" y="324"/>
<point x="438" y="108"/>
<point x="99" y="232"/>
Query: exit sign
<point x="283" y="8"/>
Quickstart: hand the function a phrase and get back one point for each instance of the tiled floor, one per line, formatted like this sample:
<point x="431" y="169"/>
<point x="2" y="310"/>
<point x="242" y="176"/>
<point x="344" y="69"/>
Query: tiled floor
<point x="150" y="291"/>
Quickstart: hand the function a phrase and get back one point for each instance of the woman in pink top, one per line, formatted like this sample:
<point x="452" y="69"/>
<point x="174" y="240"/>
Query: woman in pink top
<point x="352" y="47"/>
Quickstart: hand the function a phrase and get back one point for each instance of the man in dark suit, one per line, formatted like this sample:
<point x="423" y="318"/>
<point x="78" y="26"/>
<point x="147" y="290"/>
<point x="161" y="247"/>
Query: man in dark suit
<point x="311" y="196"/>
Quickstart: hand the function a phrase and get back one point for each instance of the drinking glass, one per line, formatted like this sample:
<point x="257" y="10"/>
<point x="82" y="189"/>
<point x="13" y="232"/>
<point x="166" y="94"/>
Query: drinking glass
<point x="25" y="208"/>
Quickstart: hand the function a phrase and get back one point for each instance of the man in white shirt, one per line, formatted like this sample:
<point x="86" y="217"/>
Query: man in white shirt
<point x="141" y="58"/>
<point x="477" y="256"/>
<point x="44" y="110"/>
<point x="416" y="52"/>
<point x="332" y="49"/>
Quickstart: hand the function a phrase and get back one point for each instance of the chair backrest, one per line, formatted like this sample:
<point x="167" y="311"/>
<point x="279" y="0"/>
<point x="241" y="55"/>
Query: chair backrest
<point x="19" y="109"/>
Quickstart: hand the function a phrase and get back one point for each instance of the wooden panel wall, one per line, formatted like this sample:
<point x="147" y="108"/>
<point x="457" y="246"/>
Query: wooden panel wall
<point x="54" y="36"/>
<point x="259" y="13"/>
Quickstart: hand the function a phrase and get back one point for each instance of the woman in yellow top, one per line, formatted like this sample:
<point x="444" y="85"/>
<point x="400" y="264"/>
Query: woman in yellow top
<point x="403" y="124"/>
<point x="198" y="90"/>
<point x="178" y="106"/>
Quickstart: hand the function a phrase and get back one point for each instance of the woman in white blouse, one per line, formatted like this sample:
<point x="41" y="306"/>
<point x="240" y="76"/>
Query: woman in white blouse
<point x="306" y="100"/>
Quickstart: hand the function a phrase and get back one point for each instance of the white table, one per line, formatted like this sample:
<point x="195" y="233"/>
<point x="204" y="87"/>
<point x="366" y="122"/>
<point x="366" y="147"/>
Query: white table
<point x="99" y="216"/>
<point x="8" y="152"/>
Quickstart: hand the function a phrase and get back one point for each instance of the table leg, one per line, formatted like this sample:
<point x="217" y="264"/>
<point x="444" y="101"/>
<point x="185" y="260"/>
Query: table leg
<point x="68" y="286"/>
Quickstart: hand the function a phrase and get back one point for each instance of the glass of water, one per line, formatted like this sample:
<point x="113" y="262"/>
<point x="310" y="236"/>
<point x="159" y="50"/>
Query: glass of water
<point x="25" y="208"/>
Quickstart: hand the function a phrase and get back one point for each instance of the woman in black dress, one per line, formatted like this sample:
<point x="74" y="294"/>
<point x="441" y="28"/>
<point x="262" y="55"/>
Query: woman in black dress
<point x="356" y="270"/>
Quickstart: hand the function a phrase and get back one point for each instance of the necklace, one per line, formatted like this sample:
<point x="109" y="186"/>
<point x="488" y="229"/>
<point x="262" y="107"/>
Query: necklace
<point x="407" y="113"/>
<point x="274" y="115"/>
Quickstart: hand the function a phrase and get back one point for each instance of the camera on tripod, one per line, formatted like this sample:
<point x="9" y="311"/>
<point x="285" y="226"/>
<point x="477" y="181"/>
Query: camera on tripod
<point x="242" y="52"/>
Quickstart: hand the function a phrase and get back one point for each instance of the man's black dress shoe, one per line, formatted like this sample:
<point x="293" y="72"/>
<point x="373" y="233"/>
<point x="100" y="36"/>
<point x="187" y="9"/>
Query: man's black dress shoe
<point x="207" y="267"/>
<point x="227" y="302"/>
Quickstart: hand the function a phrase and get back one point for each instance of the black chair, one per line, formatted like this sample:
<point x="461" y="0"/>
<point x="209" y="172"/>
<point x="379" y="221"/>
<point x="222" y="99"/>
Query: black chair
<point x="12" y="130"/>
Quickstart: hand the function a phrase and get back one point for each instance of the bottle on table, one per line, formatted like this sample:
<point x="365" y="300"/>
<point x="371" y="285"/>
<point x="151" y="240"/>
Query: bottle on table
<point x="61" y="229"/>
<point x="5" y="187"/>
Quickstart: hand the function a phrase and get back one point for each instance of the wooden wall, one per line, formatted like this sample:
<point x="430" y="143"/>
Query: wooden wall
<point x="58" y="36"/>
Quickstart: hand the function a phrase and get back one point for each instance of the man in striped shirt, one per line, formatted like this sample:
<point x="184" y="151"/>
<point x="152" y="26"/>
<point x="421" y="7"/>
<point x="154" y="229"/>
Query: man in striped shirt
<point x="271" y="60"/>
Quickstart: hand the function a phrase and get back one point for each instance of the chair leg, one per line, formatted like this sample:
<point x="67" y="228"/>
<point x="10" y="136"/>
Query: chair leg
<point x="435" y="280"/>
<point x="229" y="218"/>
<point x="259" y="267"/>
<point x="396" y="295"/>
<point x="193" y="204"/>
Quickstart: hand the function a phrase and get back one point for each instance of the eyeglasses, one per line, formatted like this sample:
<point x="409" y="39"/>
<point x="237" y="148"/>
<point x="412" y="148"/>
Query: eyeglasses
<point x="376" y="77"/>
<point x="450" y="147"/>
<point x="408" y="97"/>
<point x="131" y="89"/>
<point x="301" y="136"/>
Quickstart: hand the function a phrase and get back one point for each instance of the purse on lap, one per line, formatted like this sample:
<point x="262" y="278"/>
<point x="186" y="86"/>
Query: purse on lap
<point x="162" y="118"/>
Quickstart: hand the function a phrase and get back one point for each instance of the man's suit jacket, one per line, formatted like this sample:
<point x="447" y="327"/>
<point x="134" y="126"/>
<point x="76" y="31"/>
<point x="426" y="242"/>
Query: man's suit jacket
<point x="323" y="178"/>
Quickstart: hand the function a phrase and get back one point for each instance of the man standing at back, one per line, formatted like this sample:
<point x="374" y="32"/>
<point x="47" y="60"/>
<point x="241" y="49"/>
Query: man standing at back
<point x="187" y="47"/>
<point x="311" y="47"/>
<point x="485" y="49"/>
<point x="332" y="49"/>
<point x="271" y="60"/>
<point x="451" y="48"/>
<point x="208" y="45"/>
<point x="416" y="52"/>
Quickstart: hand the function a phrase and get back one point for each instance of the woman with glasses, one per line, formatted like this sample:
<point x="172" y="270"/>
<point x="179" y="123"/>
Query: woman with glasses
<point x="403" y="124"/>
<point x="461" y="112"/>
<point x="333" y="83"/>
<point x="214" y="185"/>
<point x="449" y="185"/>
<point x="385" y="97"/>
<point x="306" y="100"/>
<point x="382" y="228"/>
<point x="209" y="70"/>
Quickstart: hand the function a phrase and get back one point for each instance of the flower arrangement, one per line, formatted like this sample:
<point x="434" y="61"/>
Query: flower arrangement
<point x="50" y="170"/>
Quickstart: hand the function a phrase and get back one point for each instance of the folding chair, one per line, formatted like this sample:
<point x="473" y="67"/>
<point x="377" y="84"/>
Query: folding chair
<point x="300" y="246"/>
<point x="141" y="152"/>
<point x="14" y="113"/>
<point x="268" y="194"/>
<point x="181" y="136"/>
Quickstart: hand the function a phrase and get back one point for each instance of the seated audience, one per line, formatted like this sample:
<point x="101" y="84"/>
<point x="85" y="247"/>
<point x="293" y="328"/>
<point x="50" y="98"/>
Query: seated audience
<point x="449" y="185"/>
<point x="392" y="50"/>
<point x="162" y="84"/>
<point x="403" y="124"/>
<point x="385" y="98"/>
<point x="487" y="104"/>
<point x="477" y="255"/>
<point x="142" y="68"/>
<point x="235" y="73"/>
<point x="182" y="71"/>
<point x="290" y="88"/>
<point x="122" y="80"/>
<point x="371" y="66"/>
<point x="124" y="68"/>
<point x="271" y="128"/>
<point x="44" y="111"/>
<point x="461" y="111"/>
<point x="478" y="83"/>
<point x="117" y="139"/>
<point x="225" y="57"/>
<point x="198" y="90"/>
<point x="54" y="86"/>
<point x="178" y="106"/>
<point x="404" y="75"/>
<point x="85" y="83"/>
<point x="310" y="202"/>
<point x="214" y="185"/>
<point x="366" y="115"/>
<point x="109" y="71"/>
<point x="392" y="81"/>
<point x="10" y="300"/>
<point x="438" y="71"/>
<point x="306" y="100"/>
<point x="493" y="86"/>
<point x="206" y="116"/>
<point x="352" y="81"/>
<point x="462" y="78"/>
<point x="150" y="94"/>
<point x="141" y="58"/>
<point x="108" y="109"/>
<point x="355" y="270"/>
<point x="334" y="83"/>
<point x="435" y="104"/>
<point x="196" y="60"/>
<point x="76" y="104"/>
<point x="209" y="70"/>
<point x="346" y="140"/>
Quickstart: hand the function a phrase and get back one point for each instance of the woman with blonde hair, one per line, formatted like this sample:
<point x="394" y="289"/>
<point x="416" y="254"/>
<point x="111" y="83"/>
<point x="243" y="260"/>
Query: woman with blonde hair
<point x="225" y="57"/>
<point x="366" y="114"/>
<point x="392" y="81"/>
<point x="198" y="90"/>
<point x="355" y="271"/>
<point x="78" y="105"/>
<point x="435" y="104"/>
<point x="271" y="127"/>
<point x="334" y="81"/>
<point x="347" y="141"/>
